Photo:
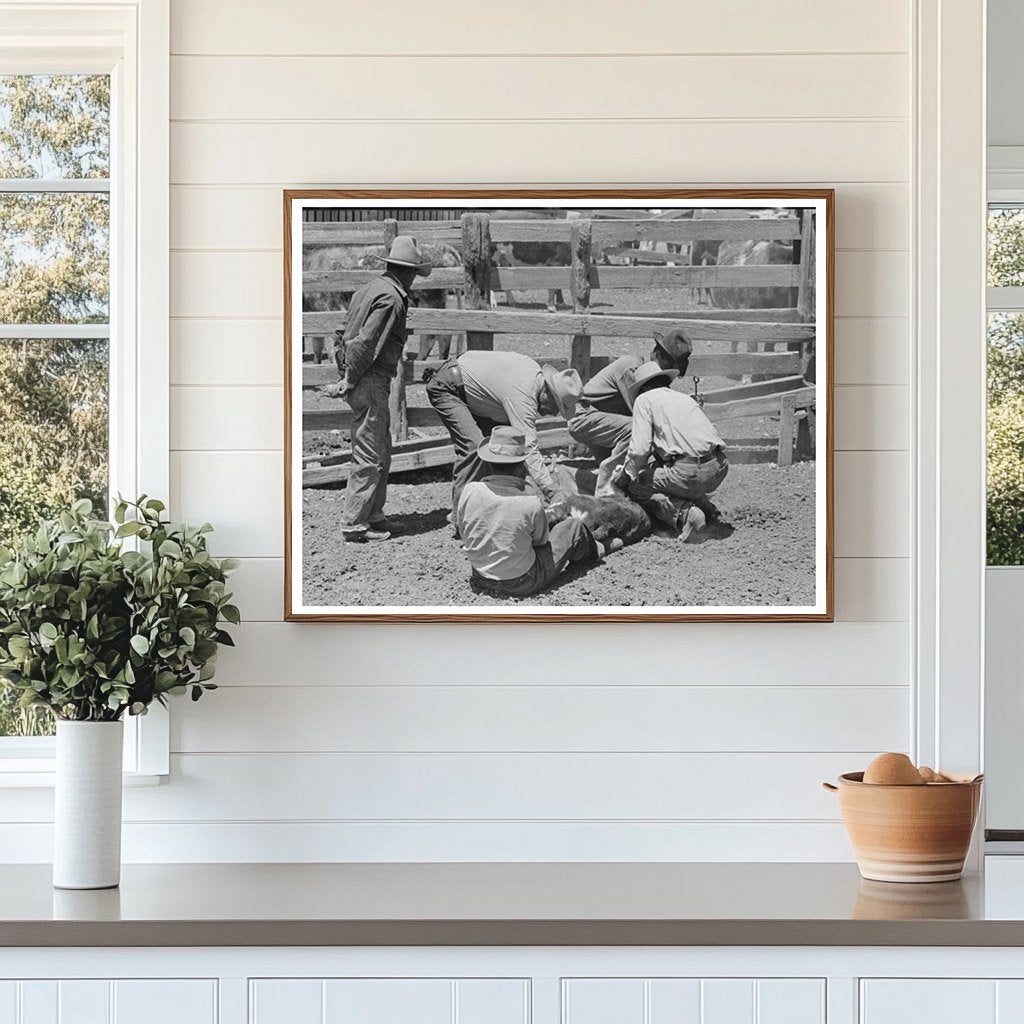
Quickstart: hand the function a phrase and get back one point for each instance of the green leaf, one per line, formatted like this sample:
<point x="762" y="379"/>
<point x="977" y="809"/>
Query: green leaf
<point x="49" y="631"/>
<point x="140" y="644"/>
<point x="231" y="613"/>
<point x="170" y="549"/>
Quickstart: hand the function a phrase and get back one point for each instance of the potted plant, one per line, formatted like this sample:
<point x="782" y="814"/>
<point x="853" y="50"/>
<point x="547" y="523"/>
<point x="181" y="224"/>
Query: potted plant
<point x="99" y="620"/>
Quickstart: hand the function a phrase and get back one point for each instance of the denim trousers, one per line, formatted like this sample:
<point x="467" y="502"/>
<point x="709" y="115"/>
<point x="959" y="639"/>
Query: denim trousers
<point x="682" y="479"/>
<point x="448" y="398"/>
<point x="602" y="432"/>
<point x="367" y="487"/>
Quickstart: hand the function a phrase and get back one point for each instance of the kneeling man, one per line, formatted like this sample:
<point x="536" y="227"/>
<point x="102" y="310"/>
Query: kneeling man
<point x="504" y="529"/>
<point x="674" y="452"/>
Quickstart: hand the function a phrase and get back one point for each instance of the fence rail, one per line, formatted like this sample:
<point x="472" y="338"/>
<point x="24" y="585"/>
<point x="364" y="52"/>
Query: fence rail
<point x="605" y="232"/>
<point x="601" y="325"/>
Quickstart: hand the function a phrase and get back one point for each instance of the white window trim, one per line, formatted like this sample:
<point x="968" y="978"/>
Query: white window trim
<point x="949" y="444"/>
<point x="131" y="41"/>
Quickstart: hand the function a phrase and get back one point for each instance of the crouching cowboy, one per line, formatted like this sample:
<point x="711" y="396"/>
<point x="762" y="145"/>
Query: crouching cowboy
<point x="504" y="529"/>
<point x="481" y="390"/>
<point x="676" y="457"/>
<point x="368" y="354"/>
<point x="604" y="416"/>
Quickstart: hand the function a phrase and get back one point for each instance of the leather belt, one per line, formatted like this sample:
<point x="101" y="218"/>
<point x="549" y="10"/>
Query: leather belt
<point x="693" y="460"/>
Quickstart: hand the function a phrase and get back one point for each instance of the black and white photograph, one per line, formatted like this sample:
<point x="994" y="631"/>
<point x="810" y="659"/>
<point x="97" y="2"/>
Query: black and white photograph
<point x="545" y="405"/>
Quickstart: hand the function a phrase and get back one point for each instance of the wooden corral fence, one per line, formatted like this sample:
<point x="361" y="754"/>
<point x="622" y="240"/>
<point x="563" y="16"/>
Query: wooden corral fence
<point x="767" y="345"/>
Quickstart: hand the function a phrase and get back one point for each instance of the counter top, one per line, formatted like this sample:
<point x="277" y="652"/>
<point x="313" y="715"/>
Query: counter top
<point x="503" y="905"/>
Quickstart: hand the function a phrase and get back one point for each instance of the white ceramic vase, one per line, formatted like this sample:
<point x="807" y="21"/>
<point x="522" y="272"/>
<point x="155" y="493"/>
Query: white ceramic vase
<point x="87" y="806"/>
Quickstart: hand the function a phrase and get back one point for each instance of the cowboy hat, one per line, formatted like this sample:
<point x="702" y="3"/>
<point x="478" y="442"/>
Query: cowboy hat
<point x="646" y="373"/>
<point x="405" y="252"/>
<point x="566" y="389"/>
<point x="505" y="445"/>
<point x="676" y="344"/>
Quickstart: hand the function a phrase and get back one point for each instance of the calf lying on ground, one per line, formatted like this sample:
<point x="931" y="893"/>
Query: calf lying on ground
<point x="609" y="518"/>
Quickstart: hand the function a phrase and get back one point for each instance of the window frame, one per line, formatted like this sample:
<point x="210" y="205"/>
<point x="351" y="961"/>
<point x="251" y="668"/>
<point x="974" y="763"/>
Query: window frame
<point x="130" y="41"/>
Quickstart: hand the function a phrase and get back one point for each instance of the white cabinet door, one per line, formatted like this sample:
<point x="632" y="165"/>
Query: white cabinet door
<point x="389" y="1001"/>
<point x="693" y="1001"/>
<point x="941" y="1001"/>
<point x="99" y="1001"/>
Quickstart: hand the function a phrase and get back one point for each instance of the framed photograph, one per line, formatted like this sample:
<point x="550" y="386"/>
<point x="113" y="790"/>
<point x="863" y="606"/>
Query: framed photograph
<point x="558" y="405"/>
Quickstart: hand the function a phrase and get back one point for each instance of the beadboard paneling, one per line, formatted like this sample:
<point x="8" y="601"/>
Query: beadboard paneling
<point x="376" y="88"/>
<point x="505" y="786"/>
<point x="248" y="283"/>
<point x="582" y="26"/>
<point x="846" y="653"/>
<point x="727" y="152"/>
<point x="227" y="352"/>
<point x="242" y="493"/>
<point x="867" y="589"/>
<point x="157" y="842"/>
<point x="868" y="216"/>
<point x="601" y="718"/>
<point x="869" y="350"/>
<point x="687" y="741"/>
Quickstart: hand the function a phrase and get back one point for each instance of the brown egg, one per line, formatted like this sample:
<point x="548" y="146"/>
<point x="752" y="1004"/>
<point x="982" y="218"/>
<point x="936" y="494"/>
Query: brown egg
<point x="892" y="770"/>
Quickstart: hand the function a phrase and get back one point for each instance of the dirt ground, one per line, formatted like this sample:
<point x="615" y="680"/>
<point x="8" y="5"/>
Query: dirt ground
<point x="763" y="555"/>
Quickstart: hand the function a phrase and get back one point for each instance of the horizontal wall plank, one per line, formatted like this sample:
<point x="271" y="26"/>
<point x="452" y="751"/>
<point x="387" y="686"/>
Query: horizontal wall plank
<point x="844" y="654"/>
<point x="872" y="418"/>
<point x="868" y="216"/>
<point x="223" y="352"/>
<point x="241" y="493"/>
<point x="576" y="152"/>
<point x="258" y="586"/>
<point x="553" y="718"/>
<point x="537" y="87"/>
<point x="583" y="26"/>
<point x="232" y="418"/>
<point x="867" y="589"/>
<point x="460" y="842"/>
<point x="872" y="350"/>
<point x="416" y="787"/>
<point x="245" y="284"/>
<point x="873" y="504"/>
<point x="872" y="590"/>
<point x="869" y="350"/>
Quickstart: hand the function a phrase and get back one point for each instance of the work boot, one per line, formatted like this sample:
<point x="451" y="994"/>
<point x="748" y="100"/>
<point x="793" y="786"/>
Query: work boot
<point x="363" y="536"/>
<point x="691" y="520"/>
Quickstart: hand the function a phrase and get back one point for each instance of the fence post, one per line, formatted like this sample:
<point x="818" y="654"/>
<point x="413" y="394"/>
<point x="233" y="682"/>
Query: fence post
<point x="806" y="289"/>
<point x="806" y="292"/>
<point x="476" y="265"/>
<point x="580" y="248"/>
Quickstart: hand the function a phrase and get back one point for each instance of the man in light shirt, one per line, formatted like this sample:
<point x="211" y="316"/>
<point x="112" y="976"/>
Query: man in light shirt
<point x="676" y="457"/>
<point x="504" y="530"/>
<point x="481" y="390"/>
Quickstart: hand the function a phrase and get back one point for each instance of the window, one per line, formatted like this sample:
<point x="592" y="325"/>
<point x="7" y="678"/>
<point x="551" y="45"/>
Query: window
<point x="55" y="292"/>
<point x="84" y="125"/>
<point x="1005" y="481"/>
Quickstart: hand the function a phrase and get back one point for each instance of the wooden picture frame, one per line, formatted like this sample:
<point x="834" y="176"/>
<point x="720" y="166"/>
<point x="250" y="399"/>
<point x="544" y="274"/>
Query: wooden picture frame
<point x="808" y="401"/>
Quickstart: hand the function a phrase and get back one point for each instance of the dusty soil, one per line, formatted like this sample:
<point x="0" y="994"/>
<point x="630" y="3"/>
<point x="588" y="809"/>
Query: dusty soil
<point x="764" y="556"/>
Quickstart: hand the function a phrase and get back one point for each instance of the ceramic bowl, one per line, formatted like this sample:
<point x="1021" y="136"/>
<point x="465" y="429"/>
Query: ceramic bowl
<point x="909" y="833"/>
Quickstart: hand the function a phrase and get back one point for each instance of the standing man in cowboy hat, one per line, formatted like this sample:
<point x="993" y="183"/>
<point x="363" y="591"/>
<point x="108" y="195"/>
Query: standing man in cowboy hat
<point x="369" y="352"/>
<point x="604" y="417"/>
<point x="676" y="456"/>
<point x="504" y="529"/>
<point x="480" y="390"/>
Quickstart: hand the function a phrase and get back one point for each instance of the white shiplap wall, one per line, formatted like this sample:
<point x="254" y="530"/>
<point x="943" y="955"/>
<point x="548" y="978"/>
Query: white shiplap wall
<point x="683" y="741"/>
